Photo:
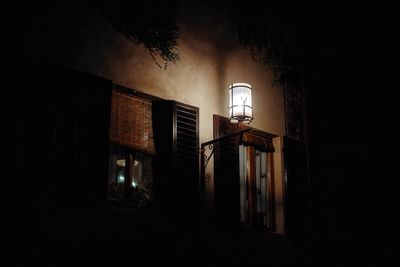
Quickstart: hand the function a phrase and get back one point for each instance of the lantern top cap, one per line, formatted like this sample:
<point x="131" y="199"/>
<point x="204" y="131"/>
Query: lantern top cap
<point x="239" y="84"/>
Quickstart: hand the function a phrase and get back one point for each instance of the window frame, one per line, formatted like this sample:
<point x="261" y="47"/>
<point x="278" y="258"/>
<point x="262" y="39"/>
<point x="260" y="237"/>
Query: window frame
<point x="250" y="194"/>
<point x="124" y="201"/>
<point x="226" y="181"/>
<point x="129" y="159"/>
<point x="170" y="172"/>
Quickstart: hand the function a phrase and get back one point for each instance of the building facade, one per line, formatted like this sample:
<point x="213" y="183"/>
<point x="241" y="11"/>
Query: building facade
<point x="134" y="139"/>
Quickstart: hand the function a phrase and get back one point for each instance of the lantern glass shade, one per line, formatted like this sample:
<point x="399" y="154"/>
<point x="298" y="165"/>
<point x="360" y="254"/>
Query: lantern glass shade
<point x="240" y="103"/>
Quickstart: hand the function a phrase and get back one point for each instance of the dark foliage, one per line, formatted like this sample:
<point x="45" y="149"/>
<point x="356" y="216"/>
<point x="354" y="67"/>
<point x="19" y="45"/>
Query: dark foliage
<point x="272" y="38"/>
<point x="152" y="23"/>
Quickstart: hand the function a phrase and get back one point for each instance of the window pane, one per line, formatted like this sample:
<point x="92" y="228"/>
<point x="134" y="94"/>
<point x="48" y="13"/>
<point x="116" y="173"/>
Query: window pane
<point x="130" y="177"/>
<point x="256" y="188"/>
<point x="242" y="170"/>
<point x="258" y="181"/>
<point x="116" y="177"/>
<point x="141" y="180"/>
<point x="263" y="186"/>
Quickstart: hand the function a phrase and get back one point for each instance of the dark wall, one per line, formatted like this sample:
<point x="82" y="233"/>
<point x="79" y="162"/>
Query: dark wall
<point x="348" y="111"/>
<point x="297" y="192"/>
<point x="62" y="125"/>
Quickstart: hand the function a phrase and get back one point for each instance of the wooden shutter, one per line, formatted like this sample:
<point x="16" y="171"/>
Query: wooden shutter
<point x="187" y="151"/>
<point x="131" y="122"/>
<point x="297" y="203"/>
<point x="226" y="173"/>
<point x="176" y="129"/>
<point x="69" y="151"/>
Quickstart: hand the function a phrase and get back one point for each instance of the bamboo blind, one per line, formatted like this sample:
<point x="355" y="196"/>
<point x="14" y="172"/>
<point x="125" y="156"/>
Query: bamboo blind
<point x="131" y="122"/>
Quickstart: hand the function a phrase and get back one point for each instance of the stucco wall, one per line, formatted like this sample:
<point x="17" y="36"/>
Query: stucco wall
<point x="210" y="60"/>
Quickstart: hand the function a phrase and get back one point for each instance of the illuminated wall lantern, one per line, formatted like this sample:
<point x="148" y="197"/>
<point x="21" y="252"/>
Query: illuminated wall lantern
<point x="240" y="103"/>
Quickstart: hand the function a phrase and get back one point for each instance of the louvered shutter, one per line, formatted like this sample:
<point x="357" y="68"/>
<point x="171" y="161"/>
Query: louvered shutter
<point x="176" y="135"/>
<point x="226" y="173"/>
<point x="187" y="151"/>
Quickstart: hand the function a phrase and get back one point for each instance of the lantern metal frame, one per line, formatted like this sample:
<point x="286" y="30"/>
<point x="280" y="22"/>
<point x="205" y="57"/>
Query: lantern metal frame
<point x="246" y="119"/>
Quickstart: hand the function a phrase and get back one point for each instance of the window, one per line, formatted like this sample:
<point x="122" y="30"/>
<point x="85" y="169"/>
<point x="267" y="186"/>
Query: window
<point x="153" y="158"/>
<point x="245" y="190"/>
<point x="256" y="187"/>
<point x="130" y="177"/>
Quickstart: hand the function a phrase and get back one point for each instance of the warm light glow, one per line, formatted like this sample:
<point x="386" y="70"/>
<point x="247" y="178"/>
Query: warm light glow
<point x="121" y="162"/>
<point x="240" y="103"/>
